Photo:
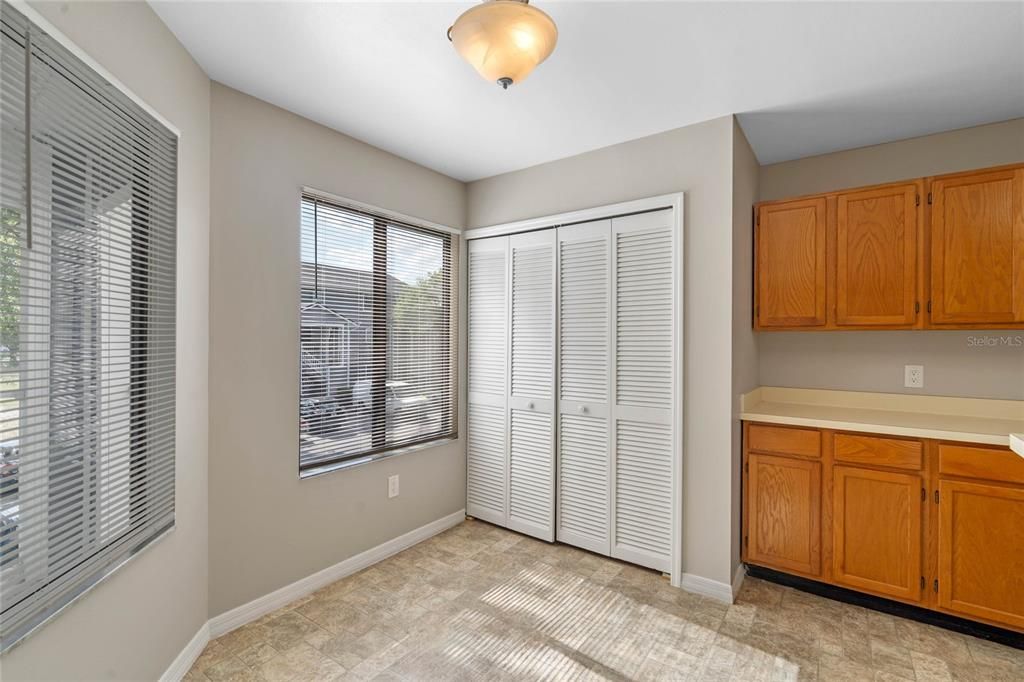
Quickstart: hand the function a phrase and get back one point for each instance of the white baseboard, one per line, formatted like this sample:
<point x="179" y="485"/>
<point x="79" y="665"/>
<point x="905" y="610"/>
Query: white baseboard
<point x="707" y="587"/>
<point x="246" y="613"/>
<point x="183" y="662"/>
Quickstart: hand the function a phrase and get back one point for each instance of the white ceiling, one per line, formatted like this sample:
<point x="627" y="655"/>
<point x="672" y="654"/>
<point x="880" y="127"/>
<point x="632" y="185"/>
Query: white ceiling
<point x="806" y="78"/>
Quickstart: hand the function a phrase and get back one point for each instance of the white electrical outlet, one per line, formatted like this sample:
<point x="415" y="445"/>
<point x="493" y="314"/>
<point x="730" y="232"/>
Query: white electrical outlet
<point x="913" y="376"/>
<point x="393" y="486"/>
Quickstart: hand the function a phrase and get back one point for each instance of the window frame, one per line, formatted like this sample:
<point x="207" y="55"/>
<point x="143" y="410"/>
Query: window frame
<point x="376" y="303"/>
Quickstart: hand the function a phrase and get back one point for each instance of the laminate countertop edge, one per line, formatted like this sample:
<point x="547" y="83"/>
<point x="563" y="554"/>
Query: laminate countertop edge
<point x="881" y="429"/>
<point x="965" y="420"/>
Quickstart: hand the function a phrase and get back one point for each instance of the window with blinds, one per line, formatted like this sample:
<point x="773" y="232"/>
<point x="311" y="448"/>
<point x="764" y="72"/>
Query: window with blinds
<point x="377" y="348"/>
<point x="87" y="326"/>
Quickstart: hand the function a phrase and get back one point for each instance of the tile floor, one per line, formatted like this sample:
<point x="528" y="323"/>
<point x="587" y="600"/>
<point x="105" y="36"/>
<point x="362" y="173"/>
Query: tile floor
<point x="481" y="603"/>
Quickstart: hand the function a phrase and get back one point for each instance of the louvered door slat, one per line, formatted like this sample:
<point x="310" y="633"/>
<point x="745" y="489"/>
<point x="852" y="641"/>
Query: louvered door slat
<point x="583" y="320"/>
<point x="643" y="493"/>
<point x="486" y="465"/>
<point x="531" y="497"/>
<point x="532" y="321"/>
<point x="643" y="329"/>
<point x="583" y="482"/>
<point x="487" y="321"/>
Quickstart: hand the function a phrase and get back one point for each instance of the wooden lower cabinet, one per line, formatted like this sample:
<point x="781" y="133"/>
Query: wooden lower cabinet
<point x="981" y="551"/>
<point x="784" y="513"/>
<point x="876" y="531"/>
<point x="939" y="525"/>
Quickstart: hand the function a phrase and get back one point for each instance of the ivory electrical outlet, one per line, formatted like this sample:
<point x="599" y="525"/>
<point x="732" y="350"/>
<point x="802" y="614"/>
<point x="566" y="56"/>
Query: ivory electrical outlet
<point x="913" y="376"/>
<point x="393" y="486"/>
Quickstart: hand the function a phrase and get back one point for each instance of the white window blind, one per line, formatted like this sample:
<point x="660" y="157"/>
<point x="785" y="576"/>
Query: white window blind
<point x="377" y="351"/>
<point x="87" y="327"/>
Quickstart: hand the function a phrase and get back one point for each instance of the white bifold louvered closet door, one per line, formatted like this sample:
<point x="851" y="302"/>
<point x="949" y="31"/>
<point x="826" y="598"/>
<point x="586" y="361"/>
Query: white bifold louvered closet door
<point x="608" y="288"/>
<point x="584" y="380"/>
<point x="616" y="438"/>
<point x="644" y="433"/>
<point x="487" y="438"/>
<point x="510" y="464"/>
<point x="531" y="397"/>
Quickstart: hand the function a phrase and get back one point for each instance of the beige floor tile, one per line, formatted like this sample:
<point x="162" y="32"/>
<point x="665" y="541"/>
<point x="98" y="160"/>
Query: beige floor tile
<point x="481" y="603"/>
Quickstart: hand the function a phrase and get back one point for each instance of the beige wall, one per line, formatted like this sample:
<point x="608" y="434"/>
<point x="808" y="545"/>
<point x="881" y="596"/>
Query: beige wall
<point x="955" y="364"/>
<point x="956" y="150"/>
<point x="745" y="172"/>
<point x="696" y="160"/>
<point x="267" y="527"/>
<point x="133" y="624"/>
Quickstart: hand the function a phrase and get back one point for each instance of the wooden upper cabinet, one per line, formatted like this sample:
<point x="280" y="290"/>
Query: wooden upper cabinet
<point x="790" y="262"/>
<point x="981" y="551"/>
<point x="884" y="258"/>
<point x="784" y="513"/>
<point x="877" y="256"/>
<point x="977" y="248"/>
<point x="876" y="531"/>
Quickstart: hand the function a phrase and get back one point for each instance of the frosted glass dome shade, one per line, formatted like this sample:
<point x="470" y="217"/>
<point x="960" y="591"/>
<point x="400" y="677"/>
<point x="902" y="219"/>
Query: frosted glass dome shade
<point x="504" y="40"/>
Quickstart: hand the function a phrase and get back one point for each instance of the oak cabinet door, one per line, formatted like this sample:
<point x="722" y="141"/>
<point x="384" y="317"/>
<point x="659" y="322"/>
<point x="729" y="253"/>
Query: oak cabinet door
<point x="876" y="531"/>
<point x="981" y="551"/>
<point x="876" y="256"/>
<point x="977" y="244"/>
<point x="784" y="508"/>
<point x="791" y="264"/>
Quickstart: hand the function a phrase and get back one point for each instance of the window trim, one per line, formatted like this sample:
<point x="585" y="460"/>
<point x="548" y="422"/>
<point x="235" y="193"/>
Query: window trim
<point x="384" y="215"/>
<point x="56" y="34"/>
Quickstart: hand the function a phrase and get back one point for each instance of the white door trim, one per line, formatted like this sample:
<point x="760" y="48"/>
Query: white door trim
<point x="673" y="201"/>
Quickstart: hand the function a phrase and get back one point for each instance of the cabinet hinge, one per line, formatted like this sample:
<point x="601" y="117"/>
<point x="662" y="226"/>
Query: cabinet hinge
<point x="748" y="467"/>
<point x="935" y="585"/>
<point x="929" y="197"/>
<point x="757" y="220"/>
<point x="746" y="541"/>
<point x="936" y="497"/>
<point x="917" y="200"/>
<point x="922" y="582"/>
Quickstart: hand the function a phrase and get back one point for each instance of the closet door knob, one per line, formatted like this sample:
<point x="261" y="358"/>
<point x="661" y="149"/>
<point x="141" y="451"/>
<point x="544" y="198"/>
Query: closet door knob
<point x="583" y="409"/>
<point x="530" y="406"/>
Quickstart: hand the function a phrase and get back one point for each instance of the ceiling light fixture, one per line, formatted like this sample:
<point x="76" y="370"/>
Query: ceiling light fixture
<point x="504" y="40"/>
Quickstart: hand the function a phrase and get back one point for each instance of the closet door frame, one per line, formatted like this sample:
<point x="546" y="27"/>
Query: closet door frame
<point x="676" y="203"/>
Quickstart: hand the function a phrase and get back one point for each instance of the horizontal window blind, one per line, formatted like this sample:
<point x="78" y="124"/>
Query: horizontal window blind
<point x="87" y="326"/>
<point x="377" y="350"/>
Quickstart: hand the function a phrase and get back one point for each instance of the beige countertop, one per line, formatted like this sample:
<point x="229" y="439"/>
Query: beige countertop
<point x="972" y="420"/>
